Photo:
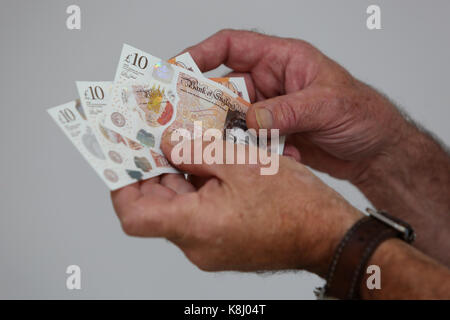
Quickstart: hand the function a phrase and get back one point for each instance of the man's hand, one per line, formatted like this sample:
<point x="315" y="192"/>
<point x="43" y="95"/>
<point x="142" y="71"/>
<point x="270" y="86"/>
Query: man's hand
<point x="340" y="126"/>
<point x="338" y="123"/>
<point x="233" y="218"/>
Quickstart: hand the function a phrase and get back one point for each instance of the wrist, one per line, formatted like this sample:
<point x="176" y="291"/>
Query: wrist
<point x="411" y="182"/>
<point x="400" y="175"/>
<point x="378" y="166"/>
<point x="406" y="273"/>
<point x="354" y="253"/>
<point x="341" y="219"/>
<point x="389" y="254"/>
<point x="388" y="172"/>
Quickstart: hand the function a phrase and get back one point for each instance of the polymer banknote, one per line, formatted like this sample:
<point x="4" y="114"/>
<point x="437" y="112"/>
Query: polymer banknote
<point x="151" y="97"/>
<point x="72" y="119"/>
<point x="118" y="125"/>
<point x="118" y="161"/>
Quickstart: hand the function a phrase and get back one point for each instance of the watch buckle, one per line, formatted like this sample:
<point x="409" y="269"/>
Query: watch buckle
<point x="407" y="232"/>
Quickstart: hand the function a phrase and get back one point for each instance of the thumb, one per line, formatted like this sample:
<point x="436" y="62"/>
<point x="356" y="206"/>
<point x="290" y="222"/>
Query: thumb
<point x="187" y="155"/>
<point x="295" y="112"/>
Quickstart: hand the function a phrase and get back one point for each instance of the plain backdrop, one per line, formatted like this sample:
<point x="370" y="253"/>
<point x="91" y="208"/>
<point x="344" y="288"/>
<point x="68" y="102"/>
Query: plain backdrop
<point x="55" y="211"/>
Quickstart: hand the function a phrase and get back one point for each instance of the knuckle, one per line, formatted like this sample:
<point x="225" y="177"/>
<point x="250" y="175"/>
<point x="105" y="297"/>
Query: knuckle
<point x="129" y="225"/>
<point x="207" y="267"/>
<point x="132" y="220"/>
<point x="203" y="263"/>
<point x="225" y="31"/>
<point x="285" y="114"/>
<point x="302" y="44"/>
<point x="303" y="49"/>
<point x="170" y="179"/>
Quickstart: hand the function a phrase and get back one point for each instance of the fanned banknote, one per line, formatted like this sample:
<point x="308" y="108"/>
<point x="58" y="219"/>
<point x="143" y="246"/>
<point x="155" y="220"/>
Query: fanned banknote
<point x="72" y="119"/>
<point x="152" y="97"/>
<point x="138" y="161"/>
<point x="119" y="161"/>
<point x="118" y="125"/>
<point x="235" y="84"/>
<point x="238" y="86"/>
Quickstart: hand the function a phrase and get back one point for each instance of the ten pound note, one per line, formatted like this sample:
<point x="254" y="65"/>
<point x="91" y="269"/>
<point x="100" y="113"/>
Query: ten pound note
<point x="152" y="98"/>
<point x="118" y="126"/>
<point x="138" y="161"/>
<point x="119" y="161"/>
<point x="71" y="118"/>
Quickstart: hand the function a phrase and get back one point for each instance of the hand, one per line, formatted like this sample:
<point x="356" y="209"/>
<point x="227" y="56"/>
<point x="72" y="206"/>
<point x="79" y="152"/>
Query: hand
<point x="342" y="127"/>
<point x="237" y="219"/>
<point x="338" y="124"/>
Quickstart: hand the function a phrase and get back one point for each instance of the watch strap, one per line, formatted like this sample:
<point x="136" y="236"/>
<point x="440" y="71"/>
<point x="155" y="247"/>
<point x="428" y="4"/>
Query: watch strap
<point x="352" y="255"/>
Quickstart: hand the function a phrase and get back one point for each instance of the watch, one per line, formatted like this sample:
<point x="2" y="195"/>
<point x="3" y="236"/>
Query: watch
<point x="351" y="256"/>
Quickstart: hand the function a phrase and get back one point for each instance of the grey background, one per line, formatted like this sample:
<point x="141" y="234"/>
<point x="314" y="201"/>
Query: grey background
<point x="55" y="211"/>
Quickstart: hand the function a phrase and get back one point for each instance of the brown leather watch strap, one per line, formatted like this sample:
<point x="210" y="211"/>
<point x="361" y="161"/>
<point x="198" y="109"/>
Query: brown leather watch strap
<point x="352" y="255"/>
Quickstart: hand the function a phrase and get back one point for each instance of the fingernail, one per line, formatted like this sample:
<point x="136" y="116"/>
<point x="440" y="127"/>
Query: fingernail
<point x="263" y="118"/>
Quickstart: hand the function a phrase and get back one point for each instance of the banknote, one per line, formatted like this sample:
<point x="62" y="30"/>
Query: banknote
<point x="72" y="119"/>
<point x="238" y="86"/>
<point x="235" y="84"/>
<point x="138" y="161"/>
<point x="152" y="98"/>
<point x="117" y="160"/>
<point x="123" y="154"/>
<point x="153" y="102"/>
<point x="185" y="61"/>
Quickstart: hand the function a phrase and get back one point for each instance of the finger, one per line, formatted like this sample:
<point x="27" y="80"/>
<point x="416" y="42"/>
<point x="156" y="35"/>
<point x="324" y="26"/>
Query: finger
<point x="150" y="180"/>
<point x="177" y="182"/>
<point x="173" y="181"/>
<point x="301" y="111"/>
<point x="292" y="152"/>
<point x="157" y="189"/>
<point x="187" y="156"/>
<point x="239" y="50"/>
<point x="277" y="65"/>
<point x="197" y="181"/>
<point x="122" y="197"/>
<point x="203" y="158"/>
<point x="146" y="185"/>
<point x="155" y="216"/>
